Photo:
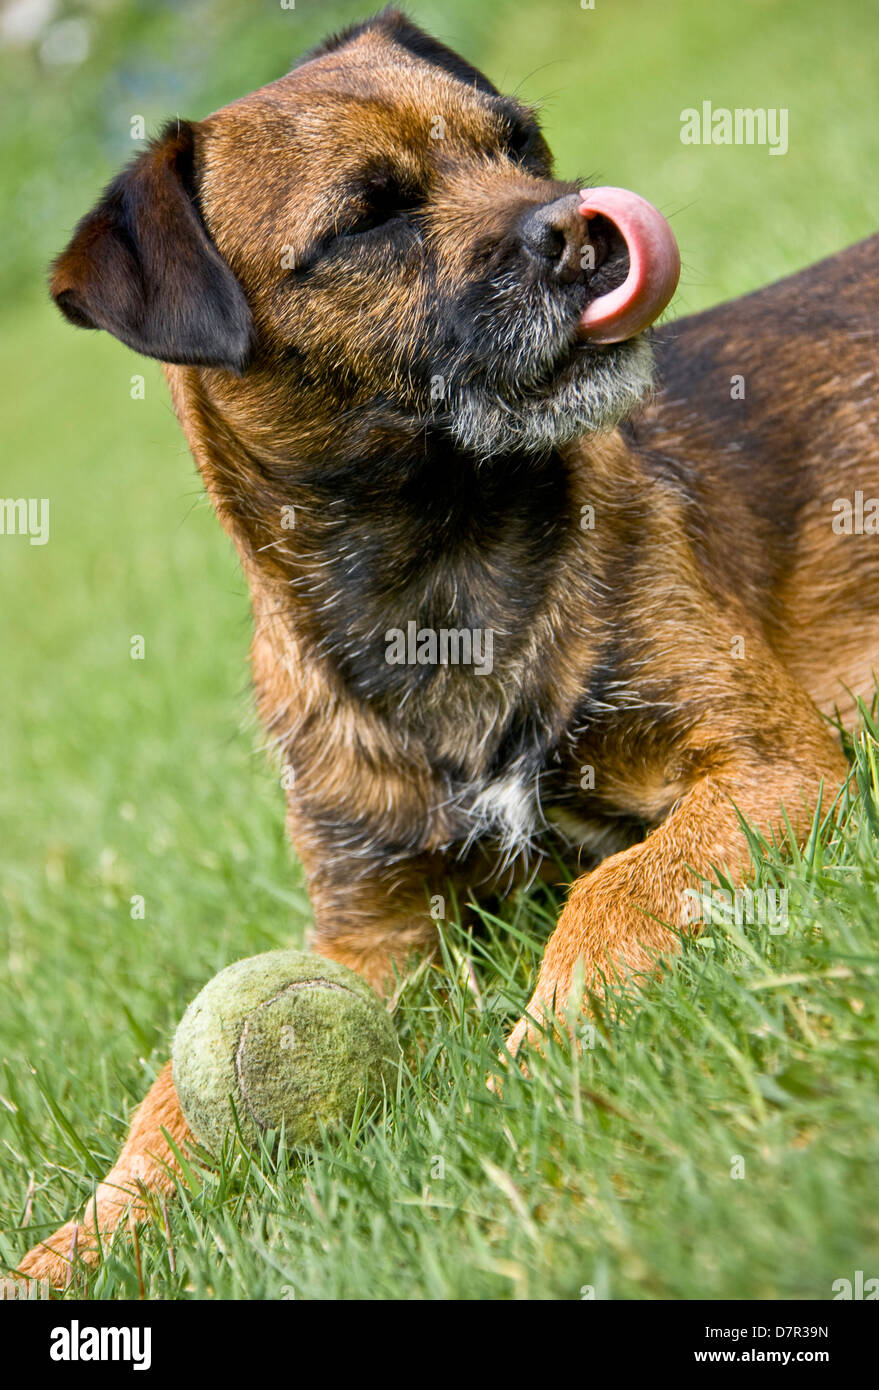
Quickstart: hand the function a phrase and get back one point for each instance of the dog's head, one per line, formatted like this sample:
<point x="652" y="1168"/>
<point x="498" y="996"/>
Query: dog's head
<point x="377" y="237"/>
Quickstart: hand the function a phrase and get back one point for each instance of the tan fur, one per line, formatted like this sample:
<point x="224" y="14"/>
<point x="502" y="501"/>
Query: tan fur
<point x="146" y="1168"/>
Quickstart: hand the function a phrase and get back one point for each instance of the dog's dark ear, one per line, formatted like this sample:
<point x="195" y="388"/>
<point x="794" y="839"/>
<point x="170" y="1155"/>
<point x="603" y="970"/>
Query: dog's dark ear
<point x="142" y="266"/>
<point x="400" y="28"/>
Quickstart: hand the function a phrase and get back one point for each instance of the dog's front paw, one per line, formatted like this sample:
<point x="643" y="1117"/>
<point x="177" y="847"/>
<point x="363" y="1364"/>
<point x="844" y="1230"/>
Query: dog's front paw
<point x="549" y="1014"/>
<point x="528" y="1032"/>
<point x="523" y="1032"/>
<point x="55" y="1265"/>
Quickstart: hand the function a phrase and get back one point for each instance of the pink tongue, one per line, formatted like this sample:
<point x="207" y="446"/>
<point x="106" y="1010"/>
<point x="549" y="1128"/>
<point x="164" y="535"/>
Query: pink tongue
<point x="654" y="267"/>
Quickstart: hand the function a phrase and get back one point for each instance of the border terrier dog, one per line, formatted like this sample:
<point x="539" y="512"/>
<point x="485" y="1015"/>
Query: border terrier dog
<point x="495" y="606"/>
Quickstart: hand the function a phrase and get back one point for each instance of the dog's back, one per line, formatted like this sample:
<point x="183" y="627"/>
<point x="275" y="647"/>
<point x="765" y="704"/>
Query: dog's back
<point x="767" y="418"/>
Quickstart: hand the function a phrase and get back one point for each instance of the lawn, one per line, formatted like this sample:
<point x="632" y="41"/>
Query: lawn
<point x="720" y="1138"/>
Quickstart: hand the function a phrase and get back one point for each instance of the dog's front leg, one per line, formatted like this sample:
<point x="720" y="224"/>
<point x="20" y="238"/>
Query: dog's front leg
<point x="629" y="910"/>
<point x="147" y="1165"/>
<point x="373" y="931"/>
<point x="372" y="914"/>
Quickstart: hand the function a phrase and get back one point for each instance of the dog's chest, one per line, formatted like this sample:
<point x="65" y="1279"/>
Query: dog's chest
<point x="501" y="810"/>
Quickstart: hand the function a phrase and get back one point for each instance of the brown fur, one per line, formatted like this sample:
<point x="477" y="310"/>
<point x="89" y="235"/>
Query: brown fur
<point x="685" y="648"/>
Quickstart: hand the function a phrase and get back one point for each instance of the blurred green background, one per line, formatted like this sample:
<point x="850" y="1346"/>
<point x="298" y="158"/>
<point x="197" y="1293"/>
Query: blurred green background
<point x="123" y="777"/>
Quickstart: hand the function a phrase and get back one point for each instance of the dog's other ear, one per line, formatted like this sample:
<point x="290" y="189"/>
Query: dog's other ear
<point x="400" y="28"/>
<point x="142" y="266"/>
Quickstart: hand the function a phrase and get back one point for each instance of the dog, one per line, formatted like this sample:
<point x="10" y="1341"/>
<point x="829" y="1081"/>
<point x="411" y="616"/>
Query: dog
<point x="413" y="369"/>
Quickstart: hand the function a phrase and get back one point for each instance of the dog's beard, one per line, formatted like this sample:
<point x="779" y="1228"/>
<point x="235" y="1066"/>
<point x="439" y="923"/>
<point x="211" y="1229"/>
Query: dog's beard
<point x="540" y="388"/>
<point x="591" y="395"/>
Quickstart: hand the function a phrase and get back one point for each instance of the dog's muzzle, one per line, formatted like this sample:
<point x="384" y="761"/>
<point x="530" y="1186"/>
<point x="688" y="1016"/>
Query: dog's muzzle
<point x="559" y="237"/>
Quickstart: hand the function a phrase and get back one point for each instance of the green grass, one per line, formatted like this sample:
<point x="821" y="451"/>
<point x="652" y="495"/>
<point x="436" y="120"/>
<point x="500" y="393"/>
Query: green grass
<point x="716" y="1137"/>
<point x="126" y="778"/>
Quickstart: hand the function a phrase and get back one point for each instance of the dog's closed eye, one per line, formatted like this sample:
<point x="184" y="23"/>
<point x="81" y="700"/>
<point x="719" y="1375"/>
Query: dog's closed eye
<point x="377" y="204"/>
<point x="523" y="142"/>
<point x="522" y="139"/>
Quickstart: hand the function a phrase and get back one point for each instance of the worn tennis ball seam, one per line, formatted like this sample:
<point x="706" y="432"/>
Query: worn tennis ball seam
<point x="317" y="983"/>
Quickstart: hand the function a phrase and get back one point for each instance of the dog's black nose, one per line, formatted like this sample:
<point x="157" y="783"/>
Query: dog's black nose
<point x="556" y="235"/>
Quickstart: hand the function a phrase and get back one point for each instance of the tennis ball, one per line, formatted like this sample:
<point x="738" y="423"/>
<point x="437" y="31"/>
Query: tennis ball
<point x="285" y="1036"/>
